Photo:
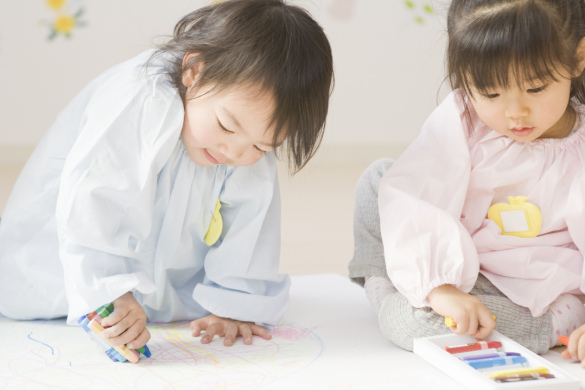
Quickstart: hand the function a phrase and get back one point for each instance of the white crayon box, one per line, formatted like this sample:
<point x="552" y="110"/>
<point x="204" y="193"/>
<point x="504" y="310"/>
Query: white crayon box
<point x="431" y="349"/>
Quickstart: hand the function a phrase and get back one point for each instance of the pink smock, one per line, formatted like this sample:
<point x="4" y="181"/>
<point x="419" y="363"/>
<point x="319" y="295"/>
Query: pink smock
<point x="434" y="202"/>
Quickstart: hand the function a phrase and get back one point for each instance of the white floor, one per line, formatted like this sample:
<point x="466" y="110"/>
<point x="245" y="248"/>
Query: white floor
<point x="329" y="339"/>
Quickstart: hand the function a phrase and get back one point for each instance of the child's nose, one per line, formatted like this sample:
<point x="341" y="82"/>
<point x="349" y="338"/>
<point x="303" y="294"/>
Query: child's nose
<point x="234" y="151"/>
<point x="516" y="108"/>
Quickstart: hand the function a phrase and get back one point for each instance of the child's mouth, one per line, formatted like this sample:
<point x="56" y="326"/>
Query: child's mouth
<point x="210" y="157"/>
<point x="522" y="131"/>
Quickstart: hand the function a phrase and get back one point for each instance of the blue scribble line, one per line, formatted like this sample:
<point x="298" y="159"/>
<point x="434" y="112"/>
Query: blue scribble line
<point x="52" y="350"/>
<point x="320" y="342"/>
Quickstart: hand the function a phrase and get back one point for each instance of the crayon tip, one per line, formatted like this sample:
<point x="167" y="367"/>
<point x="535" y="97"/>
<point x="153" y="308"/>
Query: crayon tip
<point x="147" y="352"/>
<point x="564" y="340"/>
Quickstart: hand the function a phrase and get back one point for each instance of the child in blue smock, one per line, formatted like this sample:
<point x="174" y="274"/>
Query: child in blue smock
<point x="156" y="188"/>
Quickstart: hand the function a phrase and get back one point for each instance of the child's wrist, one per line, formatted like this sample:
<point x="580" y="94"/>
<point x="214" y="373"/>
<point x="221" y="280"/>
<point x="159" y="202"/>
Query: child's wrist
<point x="440" y="291"/>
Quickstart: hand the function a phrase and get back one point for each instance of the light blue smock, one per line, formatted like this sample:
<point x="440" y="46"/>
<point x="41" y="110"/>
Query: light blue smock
<point x="110" y="202"/>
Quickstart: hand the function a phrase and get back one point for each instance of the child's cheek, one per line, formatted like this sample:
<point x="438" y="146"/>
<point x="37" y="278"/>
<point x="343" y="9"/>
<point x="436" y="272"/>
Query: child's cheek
<point x="195" y="135"/>
<point x="205" y="136"/>
<point x="250" y="161"/>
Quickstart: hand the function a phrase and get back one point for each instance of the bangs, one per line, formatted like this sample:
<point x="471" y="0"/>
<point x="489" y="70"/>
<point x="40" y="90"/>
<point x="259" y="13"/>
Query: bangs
<point x="513" y="45"/>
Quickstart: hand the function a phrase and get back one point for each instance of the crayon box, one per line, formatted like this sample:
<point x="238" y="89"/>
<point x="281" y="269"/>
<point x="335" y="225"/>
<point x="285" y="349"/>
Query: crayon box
<point x="431" y="349"/>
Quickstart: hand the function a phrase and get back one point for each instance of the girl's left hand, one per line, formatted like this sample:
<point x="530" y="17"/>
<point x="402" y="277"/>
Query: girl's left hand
<point x="228" y="329"/>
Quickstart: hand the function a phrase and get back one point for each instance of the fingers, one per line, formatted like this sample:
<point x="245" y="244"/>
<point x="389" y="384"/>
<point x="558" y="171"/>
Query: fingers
<point x="231" y="332"/>
<point x="581" y="350"/>
<point x="260" y="331"/>
<point x="246" y="333"/>
<point x="116" y="316"/>
<point x="463" y="321"/>
<point x="120" y="327"/>
<point x="123" y="305"/>
<point x="228" y="329"/>
<point x="486" y="324"/>
<point x="576" y="347"/>
<point x="565" y="354"/>
<point x="127" y="335"/>
<point x="139" y="341"/>
<point x="472" y="324"/>
<point x="216" y="328"/>
<point x="197" y="326"/>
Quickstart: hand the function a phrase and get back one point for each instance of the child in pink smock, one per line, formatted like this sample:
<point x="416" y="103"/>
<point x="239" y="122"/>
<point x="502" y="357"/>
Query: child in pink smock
<point x="484" y="214"/>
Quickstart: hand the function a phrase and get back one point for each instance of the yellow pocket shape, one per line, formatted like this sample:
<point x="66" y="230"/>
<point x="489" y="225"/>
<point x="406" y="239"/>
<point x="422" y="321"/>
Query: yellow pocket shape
<point x="215" y="227"/>
<point x="518" y="218"/>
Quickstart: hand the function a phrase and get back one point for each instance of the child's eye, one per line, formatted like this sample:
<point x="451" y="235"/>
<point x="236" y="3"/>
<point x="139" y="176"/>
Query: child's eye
<point x="536" y="90"/>
<point x="223" y="128"/>
<point x="260" y="150"/>
<point x="490" y="95"/>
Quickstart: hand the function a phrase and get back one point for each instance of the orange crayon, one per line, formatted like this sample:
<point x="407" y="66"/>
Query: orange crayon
<point x="564" y="340"/>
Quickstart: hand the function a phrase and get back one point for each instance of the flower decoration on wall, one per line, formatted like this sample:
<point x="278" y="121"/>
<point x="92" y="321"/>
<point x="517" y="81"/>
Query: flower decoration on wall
<point x="421" y="9"/>
<point x="67" y="17"/>
<point x="342" y="9"/>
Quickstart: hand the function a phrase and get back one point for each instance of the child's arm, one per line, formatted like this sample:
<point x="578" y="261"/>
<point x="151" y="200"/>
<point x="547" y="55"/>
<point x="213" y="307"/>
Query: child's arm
<point x="576" y="348"/>
<point x="228" y="329"/>
<point x="241" y="269"/>
<point x="131" y="126"/>
<point x="470" y="314"/>
<point x="421" y="199"/>
<point x="127" y="323"/>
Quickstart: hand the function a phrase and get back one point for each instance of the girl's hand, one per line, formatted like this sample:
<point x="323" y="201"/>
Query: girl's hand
<point x="471" y="316"/>
<point x="576" y="348"/>
<point x="228" y="329"/>
<point x="127" y="323"/>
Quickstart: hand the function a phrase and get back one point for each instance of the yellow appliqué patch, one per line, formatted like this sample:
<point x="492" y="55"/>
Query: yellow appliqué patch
<point x="517" y="217"/>
<point x="215" y="227"/>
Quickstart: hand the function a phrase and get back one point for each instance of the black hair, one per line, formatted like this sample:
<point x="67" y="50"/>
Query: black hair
<point x="493" y="43"/>
<point x="269" y="42"/>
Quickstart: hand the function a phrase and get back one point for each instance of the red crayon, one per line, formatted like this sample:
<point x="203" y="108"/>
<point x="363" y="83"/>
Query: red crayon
<point x="564" y="340"/>
<point x="473" y="346"/>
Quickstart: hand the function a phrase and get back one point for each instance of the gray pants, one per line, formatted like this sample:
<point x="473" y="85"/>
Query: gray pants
<point x="399" y="321"/>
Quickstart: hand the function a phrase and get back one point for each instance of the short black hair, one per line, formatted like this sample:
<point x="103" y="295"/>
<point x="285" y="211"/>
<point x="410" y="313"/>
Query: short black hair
<point x="268" y="42"/>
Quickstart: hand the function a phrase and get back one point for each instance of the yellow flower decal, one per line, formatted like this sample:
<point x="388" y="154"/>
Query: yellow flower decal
<point x="56" y="4"/>
<point x="64" y="24"/>
<point x="64" y="21"/>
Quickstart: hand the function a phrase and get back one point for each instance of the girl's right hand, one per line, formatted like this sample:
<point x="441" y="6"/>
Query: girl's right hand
<point x="127" y="323"/>
<point x="576" y="348"/>
<point x="470" y="314"/>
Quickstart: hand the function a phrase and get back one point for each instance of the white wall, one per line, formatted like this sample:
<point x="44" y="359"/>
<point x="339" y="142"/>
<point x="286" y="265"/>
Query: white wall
<point x="388" y="66"/>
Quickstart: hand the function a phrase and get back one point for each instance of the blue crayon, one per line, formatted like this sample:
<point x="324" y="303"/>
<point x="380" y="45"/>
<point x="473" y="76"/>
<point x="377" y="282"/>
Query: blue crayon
<point x="117" y="355"/>
<point x="495" y="362"/>
<point x="111" y="355"/>
<point x="145" y="351"/>
<point x="490" y="356"/>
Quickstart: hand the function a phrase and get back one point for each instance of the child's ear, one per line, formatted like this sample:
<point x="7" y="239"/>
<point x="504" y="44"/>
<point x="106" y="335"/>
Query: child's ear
<point x="191" y="75"/>
<point x="580" y="53"/>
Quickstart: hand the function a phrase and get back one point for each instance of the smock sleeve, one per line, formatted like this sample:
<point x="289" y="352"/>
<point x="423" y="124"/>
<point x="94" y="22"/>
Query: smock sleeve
<point x="105" y="206"/>
<point x="420" y="200"/>
<point x="241" y="269"/>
